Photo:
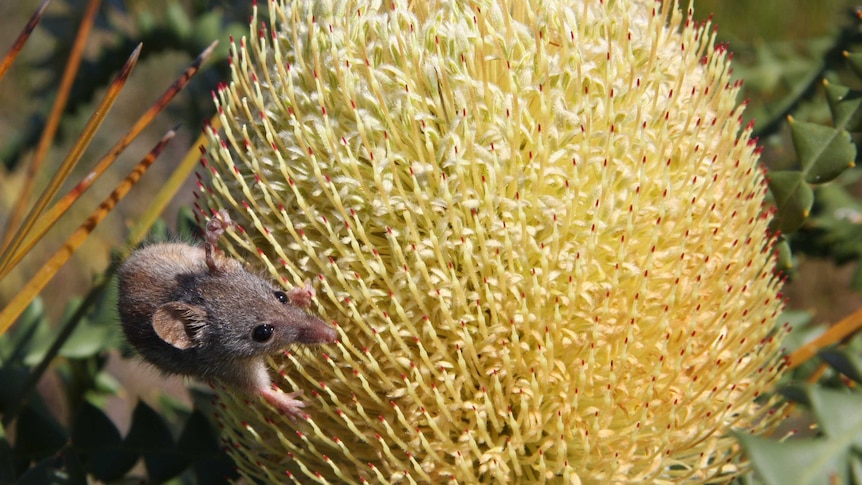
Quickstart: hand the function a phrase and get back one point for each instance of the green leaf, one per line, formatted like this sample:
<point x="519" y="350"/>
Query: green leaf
<point x="177" y="21"/>
<point x="797" y="393"/>
<point x="211" y="464"/>
<point x="13" y="378"/>
<point x="187" y="227"/>
<point x="784" y="261"/>
<point x="95" y="435"/>
<point x="801" y="331"/>
<point x="150" y="435"/>
<point x="107" y="384"/>
<point x="856" y="469"/>
<point x="837" y="412"/>
<point x="797" y="462"/>
<point x="7" y="465"/>
<point x="207" y="27"/>
<point x="847" y="363"/>
<point x="49" y="470"/>
<point x="854" y="59"/>
<point x="824" y="152"/>
<point x="846" y="106"/>
<point x="822" y="459"/>
<point x="856" y="283"/>
<point x="38" y="434"/>
<point x="31" y="325"/>
<point x="88" y="339"/>
<point x="793" y="198"/>
<point x="159" y="232"/>
<point x="836" y="230"/>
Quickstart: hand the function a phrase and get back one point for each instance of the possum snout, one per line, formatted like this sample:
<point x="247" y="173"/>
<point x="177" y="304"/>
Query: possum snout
<point x="316" y="332"/>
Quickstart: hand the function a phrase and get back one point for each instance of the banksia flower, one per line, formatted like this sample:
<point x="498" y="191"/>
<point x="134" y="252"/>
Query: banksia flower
<point x="537" y="225"/>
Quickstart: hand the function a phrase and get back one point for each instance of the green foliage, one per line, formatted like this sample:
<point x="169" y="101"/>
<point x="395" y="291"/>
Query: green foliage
<point x="824" y="153"/>
<point x="161" y="28"/>
<point x="834" y="454"/>
<point x="821" y="213"/>
<point x="784" y="77"/>
<point x="817" y="214"/>
<point x="174" y="443"/>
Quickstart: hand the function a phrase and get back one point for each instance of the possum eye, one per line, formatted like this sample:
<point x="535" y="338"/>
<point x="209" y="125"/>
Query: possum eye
<point x="262" y="333"/>
<point x="280" y="296"/>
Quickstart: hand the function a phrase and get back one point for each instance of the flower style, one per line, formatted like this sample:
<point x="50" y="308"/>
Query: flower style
<point x="538" y="226"/>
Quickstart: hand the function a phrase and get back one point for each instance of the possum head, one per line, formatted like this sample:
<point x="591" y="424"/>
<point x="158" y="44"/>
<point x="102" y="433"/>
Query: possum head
<point x="235" y="313"/>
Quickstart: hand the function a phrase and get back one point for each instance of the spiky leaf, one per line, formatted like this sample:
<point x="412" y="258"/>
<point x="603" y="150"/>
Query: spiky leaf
<point x="824" y="152"/>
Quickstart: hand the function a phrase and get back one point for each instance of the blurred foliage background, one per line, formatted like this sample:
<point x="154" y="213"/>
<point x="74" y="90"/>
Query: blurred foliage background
<point x="782" y="50"/>
<point x="776" y="45"/>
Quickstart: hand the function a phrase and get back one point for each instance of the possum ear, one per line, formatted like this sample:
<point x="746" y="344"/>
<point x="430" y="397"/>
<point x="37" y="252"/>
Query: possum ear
<point x="179" y="324"/>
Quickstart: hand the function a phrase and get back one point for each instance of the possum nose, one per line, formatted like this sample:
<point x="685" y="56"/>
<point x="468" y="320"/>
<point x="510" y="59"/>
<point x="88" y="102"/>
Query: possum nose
<point x="317" y="332"/>
<point x="330" y="335"/>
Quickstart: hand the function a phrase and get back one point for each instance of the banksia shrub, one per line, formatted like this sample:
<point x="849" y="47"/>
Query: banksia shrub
<point x="538" y="226"/>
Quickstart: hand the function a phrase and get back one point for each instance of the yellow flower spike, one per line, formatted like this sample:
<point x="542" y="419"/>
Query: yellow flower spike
<point x="536" y="224"/>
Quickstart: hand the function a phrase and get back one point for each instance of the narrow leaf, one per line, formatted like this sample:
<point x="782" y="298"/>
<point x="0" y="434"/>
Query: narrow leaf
<point x="14" y="234"/>
<point x="10" y="57"/>
<point x="35" y="285"/>
<point x="844" y="328"/>
<point x="178" y="177"/>
<point x="50" y="217"/>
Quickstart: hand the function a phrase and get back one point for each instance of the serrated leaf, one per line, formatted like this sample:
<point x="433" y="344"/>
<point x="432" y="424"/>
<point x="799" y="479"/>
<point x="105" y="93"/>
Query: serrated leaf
<point x="94" y="434"/>
<point x="824" y="152"/>
<point x="847" y="363"/>
<point x="846" y="106"/>
<point x="150" y="435"/>
<point x="837" y="228"/>
<point x="793" y="198"/>
<point x="798" y="462"/>
<point x="854" y="60"/>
